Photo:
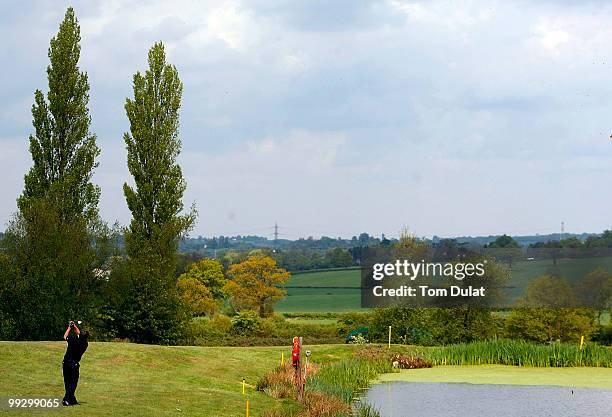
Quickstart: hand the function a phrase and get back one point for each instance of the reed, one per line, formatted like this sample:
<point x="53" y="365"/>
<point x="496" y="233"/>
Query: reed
<point x="347" y="378"/>
<point x="519" y="353"/>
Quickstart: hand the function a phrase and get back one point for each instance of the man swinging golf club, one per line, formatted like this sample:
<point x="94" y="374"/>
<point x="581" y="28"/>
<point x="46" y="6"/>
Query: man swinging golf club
<point x="77" y="345"/>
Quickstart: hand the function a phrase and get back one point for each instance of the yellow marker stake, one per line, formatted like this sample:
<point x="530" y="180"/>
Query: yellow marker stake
<point x="247" y="409"/>
<point x="243" y="387"/>
<point x="581" y="342"/>
<point x="389" y="337"/>
<point x="282" y="358"/>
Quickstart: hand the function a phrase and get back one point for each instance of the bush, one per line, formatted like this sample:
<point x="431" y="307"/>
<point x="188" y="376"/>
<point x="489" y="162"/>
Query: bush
<point x="433" y="326"/>
<point x="549" y="325"/>
<point x="205" y="331"/>
<point x="246" y="323"/>
<point x="352" y="321"/>
<point x="399" y="359"/>
<point x="603" y="335"/>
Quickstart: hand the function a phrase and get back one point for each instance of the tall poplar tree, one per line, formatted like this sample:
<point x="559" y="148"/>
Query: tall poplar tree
<point x="50" y="238"/>
<point x="63" y="149"/>
<point x="151" y="313"/>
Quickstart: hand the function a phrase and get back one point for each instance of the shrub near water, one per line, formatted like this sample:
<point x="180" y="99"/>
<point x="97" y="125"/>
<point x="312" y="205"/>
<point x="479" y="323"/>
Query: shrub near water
<point x="399" y="359"/>
<point x="519" y="353"/>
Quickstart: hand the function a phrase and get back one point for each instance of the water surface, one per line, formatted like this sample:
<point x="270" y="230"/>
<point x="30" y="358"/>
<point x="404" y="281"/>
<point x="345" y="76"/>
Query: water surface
<point x="436" y="399"/>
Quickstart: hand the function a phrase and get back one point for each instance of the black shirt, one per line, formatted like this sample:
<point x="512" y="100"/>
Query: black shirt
<point x="76" y="347"/>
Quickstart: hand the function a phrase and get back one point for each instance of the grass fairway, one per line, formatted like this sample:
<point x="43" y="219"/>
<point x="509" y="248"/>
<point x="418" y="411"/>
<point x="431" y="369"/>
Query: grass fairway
<point x="122" y="379"/>
<point x="512" y="375"/>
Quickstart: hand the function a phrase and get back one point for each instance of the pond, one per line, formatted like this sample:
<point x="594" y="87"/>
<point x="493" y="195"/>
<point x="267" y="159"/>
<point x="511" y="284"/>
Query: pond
<point x="434" y="399"/>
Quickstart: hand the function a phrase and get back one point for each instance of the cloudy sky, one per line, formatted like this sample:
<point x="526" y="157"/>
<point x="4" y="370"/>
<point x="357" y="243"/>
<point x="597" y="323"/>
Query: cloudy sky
<point x="338" y="117"/>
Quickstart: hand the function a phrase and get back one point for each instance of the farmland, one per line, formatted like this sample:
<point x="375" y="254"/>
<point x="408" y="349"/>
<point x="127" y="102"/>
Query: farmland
<point x="338" y="290"/>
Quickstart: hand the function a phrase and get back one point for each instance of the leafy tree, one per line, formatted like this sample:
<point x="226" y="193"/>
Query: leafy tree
<point x="548" y="291"/>
<point x="255" y="283"/>
<point x="49" y="240"/>
<point x="504" y="249"/>
<point x="338" y="258"/>
<point x="231" y="257"/>
<point x="602" y="241"/>
<point x="409" y="246"/>
<point x="9" y="297"/>
<point x="153" y="147"/>
<point x="595" y="290"/>
<point x="503" y="241"/>
<point x="295" y="259"/>
<point x="196" y="297"/>
<point x="63" y="149"/>
<point x="184" y="260"/>
<point x="546" y="314"/>
<point x="150" y="311"/>
<point x="209" y="272"/>
<point x="569" y="242"/>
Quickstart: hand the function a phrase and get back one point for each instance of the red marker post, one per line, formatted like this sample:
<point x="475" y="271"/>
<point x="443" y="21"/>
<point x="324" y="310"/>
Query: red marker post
<point x="295" y="359"/>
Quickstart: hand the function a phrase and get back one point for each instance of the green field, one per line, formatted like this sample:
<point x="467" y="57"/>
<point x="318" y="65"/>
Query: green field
<point x="123" y="379"/>
<point x="325" y="298"/>
<point x="513" y="375"/>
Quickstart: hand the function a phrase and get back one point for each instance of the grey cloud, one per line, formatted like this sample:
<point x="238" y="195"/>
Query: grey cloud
<point x="442" y="112"/>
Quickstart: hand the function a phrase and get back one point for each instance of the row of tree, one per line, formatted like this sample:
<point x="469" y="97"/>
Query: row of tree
<point x="207" y="246"/>
<point x="56" y="251"/>
<point x="254" y="284"/>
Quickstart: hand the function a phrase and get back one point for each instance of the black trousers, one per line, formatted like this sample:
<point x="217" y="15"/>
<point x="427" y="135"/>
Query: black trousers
<point x="71" y="379"/>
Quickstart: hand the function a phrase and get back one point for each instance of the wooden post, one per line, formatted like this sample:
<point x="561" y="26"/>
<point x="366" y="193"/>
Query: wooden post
<point x="300" y="380"/>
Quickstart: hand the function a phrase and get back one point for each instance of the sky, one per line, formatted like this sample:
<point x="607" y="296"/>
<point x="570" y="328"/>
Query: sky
<point x="447" y="118"/>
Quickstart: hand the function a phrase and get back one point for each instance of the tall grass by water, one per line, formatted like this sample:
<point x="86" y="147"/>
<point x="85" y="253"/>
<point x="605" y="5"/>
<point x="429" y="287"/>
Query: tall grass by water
<point x="347" y="378"/>
<point x="519" y="353"/>
<point x="321" y="398"/>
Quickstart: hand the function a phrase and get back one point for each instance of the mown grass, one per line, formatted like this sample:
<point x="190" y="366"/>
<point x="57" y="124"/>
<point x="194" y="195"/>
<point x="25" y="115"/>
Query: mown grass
<point x="519" y="353"/>
<point x="124" y="379"/>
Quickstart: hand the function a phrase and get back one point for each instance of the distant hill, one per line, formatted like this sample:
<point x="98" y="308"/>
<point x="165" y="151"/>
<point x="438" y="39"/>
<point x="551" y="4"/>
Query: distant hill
<point x="208" y="244"/>
<point x="522" y="240"/>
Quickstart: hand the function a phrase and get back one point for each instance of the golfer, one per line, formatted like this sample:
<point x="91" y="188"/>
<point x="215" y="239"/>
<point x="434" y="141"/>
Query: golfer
<point x="77" y="345"/>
